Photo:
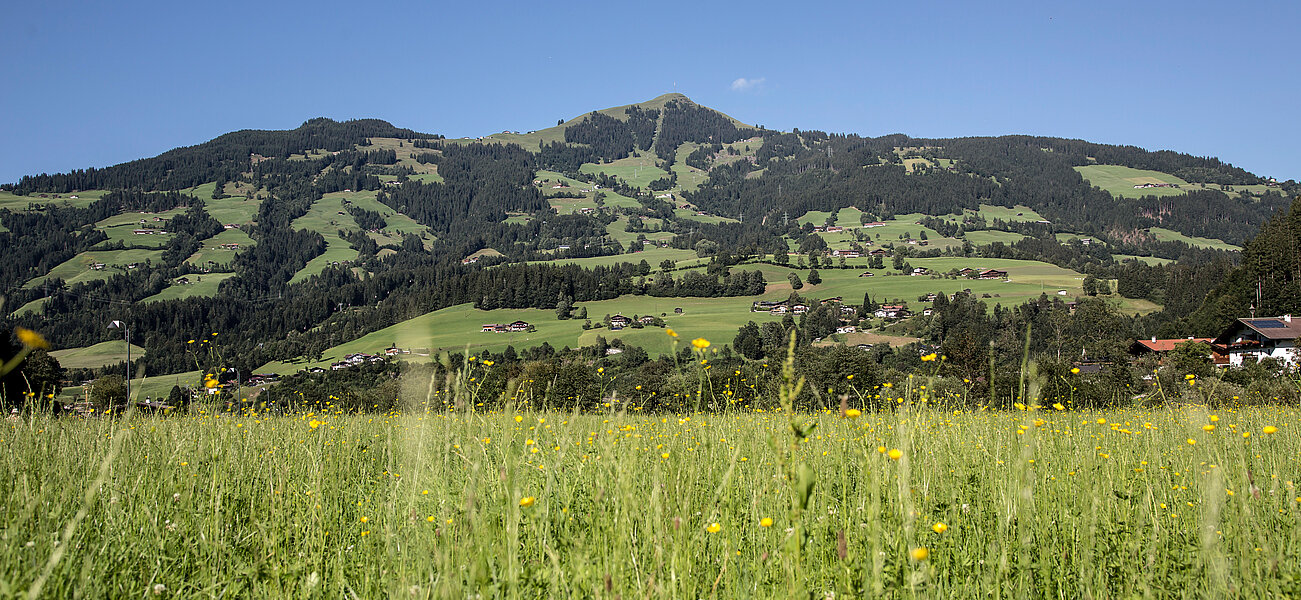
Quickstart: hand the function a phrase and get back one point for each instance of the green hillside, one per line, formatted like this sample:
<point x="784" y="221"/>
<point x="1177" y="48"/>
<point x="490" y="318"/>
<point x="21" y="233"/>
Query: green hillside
<point x="1120" y="181"/>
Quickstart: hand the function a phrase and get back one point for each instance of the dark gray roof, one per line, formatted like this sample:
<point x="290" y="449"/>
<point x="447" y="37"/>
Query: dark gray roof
<point x="1270" y="328"/>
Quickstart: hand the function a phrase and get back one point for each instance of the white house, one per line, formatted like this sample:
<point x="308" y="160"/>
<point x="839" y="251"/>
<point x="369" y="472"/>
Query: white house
<point x="1250" y="340"/>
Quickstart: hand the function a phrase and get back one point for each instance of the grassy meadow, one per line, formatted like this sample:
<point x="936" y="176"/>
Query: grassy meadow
<point x="1169" y="235"/>
<point x="1120" y="181"/>
<point x="434" y="501"/>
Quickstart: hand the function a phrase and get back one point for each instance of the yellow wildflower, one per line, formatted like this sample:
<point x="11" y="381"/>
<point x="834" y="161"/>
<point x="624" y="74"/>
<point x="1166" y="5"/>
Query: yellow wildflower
<point x="31" y="339"/>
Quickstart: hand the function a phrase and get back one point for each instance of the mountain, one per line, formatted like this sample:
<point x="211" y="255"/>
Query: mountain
<point x="293" y="242"/>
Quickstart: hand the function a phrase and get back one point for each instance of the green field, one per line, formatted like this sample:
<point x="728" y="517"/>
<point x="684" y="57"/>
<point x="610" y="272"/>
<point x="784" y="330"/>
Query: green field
<point x="1151" y="260"/>
<point x="100" y="355"/>
<point x="10" y="201"/>
<point x="845" y="217"/>
<point x="36" y="306"/>
<point x="616" y="230"/>
<point x="689" y="177"/>
<point x="327" y="216"/>
<point x="892" y="232"/>
<point x="981" y="238"/>
<point x="690" y="215"/>
<point x="427" y="173"/>
<point x="236" y="209"/>
<point x="77" y="269"/>
<point x="572" y="205"/>
<point x="654" y="256"/>
<point x="638" y="171"/>
<point x="990" y="212"/>
<point x="201" y="285"/>
<point x="1067" y="237"/>
<point x="210" y="249"/>
<point x="459" y="327"/>
<point x="1167" y="235"/>
<point x="428" y="502"/>
<point x="1120" y="181"/>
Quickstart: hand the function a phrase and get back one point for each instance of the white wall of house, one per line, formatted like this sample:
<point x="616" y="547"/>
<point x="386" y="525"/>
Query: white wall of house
<point x="1284" y="351"/>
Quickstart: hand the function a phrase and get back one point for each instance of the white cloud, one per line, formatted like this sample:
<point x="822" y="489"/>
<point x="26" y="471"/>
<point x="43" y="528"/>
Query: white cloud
<point x="742" y="84"/>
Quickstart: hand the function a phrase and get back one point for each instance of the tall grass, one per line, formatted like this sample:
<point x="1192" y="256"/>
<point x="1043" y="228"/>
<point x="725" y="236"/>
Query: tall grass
<point x="439" y="503"/>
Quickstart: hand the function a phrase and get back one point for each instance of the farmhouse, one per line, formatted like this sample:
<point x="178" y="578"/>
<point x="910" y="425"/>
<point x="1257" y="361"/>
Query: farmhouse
<point x="493" y="328"/>
<point x="867" y="274"/>
<point x="780" y="310"/>
<point x="761" y="305"/>
<point x="993" y="274"/>
<point x="519" y="326"/>
<point x="620" y="321"/>
<point x="835" y="229"/>
<point x="1161" y="347"/>
<point x="799" y="309"/>
<point x="1250" y="340"/>
<point x="873" y="224"/>
<point x="892" y="311"/>
<point x="921" y="271"/>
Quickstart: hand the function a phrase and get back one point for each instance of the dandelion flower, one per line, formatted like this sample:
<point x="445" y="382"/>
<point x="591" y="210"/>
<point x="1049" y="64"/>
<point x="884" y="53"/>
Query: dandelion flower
<point x="895" y="454"/>
<point x="853" y="413"/>
<point x="939" y="527"/>
<point x="1270" y="429"/>
<point x="919" y="554"/>
<point x="1208" y="428"/>
<point x="670" y="332"/>
<point x="700" y="343"/>
<point x="1191" y="442"/>
<point x="714" y="527"/>
<point x="31" y="339"/>
<point x="1102" y="421"/>
<point x="527" y="501"/>
<point x="765" y="522"/>
<point x="1058" y="406"/>
<point x="365" y="519"/>
<point x="430" y="518"/>
<point x="1075" y="370"/>
<point x="929" y="357"/>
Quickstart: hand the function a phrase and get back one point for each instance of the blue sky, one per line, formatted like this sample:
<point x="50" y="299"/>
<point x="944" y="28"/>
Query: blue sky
<point x="95" y="84"/>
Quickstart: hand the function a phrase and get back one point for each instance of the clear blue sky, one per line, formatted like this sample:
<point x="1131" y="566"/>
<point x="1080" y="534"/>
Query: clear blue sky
<point x="93" y="84"/>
